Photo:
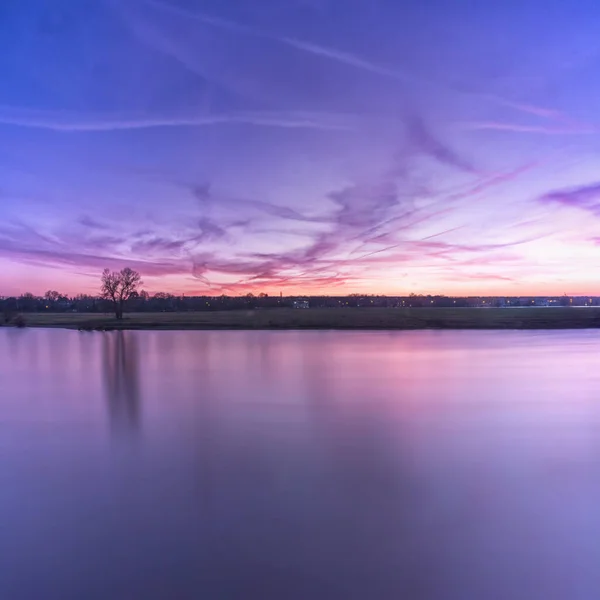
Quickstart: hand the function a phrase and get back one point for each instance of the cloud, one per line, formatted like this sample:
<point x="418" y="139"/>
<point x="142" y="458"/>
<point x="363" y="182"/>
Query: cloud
<point x="206" y="196"/>
<point x="65" y="256"/>
<point x="488" y="276"/>
<point x="265" y="270"/>
<point x="25" y="233"/>
<point x="446" y="246"/>
<point x="453" y="273"/>
<point x="359" y="209"/>
<point x="520" y="128"/>
<point x="24" y="243"/>
<point x="157" y="245"/>
<point x="491" y="181"/>
<point x="257" y="269"/>
<point x="412" y="251"/>
<point x="307" y="284"/>
<point x="586" y="197"/>
<point x="72" y="122"/>
<point x="200" y="16"/>
<point x="345" y="58"/>
<point x="538" y="111"/>
<point x="562" y="123"/>
<point x="425" y="142"/>
<point x="333" y="54"/>
<point x="90" y="223"/>
<point x="367" y="214"/>
<point x="209" y="230"/>
<point x="491" y="259"/>
<point x="363" y="205"/>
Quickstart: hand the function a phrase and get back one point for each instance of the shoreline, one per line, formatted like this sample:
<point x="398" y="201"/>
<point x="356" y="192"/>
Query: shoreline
<point x="346" y="319"/>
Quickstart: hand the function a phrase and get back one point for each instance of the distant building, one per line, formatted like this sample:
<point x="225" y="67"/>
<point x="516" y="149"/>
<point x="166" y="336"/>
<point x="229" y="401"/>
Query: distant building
<point x="300" y="304"/>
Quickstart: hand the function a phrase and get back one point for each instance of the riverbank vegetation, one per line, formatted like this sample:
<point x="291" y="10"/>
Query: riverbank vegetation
<point x="323" y="318"/>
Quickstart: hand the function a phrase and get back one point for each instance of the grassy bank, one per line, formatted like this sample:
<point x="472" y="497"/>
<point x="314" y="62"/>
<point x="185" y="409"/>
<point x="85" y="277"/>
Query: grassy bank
<point x="345" y="318"/>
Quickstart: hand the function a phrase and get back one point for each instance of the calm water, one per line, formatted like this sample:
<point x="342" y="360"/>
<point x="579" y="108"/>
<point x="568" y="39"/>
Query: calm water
<point x="299" y="465"/>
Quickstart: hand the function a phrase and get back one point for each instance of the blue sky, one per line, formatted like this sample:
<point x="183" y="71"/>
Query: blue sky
<point x="300" y="145"/>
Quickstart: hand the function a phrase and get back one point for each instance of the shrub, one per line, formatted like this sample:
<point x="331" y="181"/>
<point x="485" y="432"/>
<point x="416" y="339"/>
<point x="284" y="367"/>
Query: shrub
<point x="7" y="316"/>
<point x="19" y="321"/>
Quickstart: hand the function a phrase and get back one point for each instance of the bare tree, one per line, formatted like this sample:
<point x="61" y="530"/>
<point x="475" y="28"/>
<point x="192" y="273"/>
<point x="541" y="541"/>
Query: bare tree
<point x="120" y="286"/>
<point x="52" y="296"/>
<point x="27" y="302"/>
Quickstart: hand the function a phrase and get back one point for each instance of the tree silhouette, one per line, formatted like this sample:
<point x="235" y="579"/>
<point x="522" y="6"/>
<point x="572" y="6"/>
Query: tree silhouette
<point x="120" y="286"/>
<point x="52" y="296"/>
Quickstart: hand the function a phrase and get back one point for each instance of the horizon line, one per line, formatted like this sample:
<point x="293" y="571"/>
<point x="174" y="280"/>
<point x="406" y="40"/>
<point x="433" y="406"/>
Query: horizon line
<point x="325" y="295"/>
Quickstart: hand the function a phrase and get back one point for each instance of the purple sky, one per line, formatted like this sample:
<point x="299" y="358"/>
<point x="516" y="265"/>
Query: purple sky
<point x="301" y="145"/>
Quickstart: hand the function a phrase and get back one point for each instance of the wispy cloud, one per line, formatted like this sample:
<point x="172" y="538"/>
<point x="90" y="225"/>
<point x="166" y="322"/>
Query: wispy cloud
<point x="538" y="111"/>
<point x="91" y="223"/>
<point x="369" y="216"/>
<point x="157" y="244"/>
<point x="425" y="141"/>
<point x="85" y="251"/>
<point x="345" y="58"/>
<point x="483" y="277"/>
<point x="585" y="197"/>
<point x="360" y="208"/>
<point x="209" y="230"/>
<point x="67" y="257"/>
<point x="208" y="197"/>
<point x="489" y="182"/>
<point x="556" y="121"/>
<point x="200" y="16"/>
<point x="524" y="128"/>
<point x="72" y="122"/>
<point x="333" y="54"/>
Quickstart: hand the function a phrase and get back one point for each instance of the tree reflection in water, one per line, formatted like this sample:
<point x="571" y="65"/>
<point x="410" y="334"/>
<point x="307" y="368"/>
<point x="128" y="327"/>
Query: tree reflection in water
<point x="121" y="380"/>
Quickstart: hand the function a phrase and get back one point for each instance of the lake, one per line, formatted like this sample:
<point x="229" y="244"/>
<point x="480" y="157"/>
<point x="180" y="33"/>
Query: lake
<point x="299" y="465"/>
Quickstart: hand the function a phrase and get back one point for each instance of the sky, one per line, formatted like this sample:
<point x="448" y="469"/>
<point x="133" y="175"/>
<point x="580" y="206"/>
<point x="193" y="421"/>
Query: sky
<point x="302" y="146"/>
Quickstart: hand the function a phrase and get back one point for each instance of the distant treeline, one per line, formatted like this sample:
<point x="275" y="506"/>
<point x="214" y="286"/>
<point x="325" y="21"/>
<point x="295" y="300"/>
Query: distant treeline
<point x="162" y="302"/>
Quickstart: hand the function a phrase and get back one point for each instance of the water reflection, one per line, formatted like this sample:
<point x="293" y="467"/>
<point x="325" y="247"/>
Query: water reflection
<point x="300" y="465"/>
<point x="121" y="380"/>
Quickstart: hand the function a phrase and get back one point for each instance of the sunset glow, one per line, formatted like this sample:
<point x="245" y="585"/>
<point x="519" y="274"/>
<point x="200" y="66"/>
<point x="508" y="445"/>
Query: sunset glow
<point x="302" y="146"/>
